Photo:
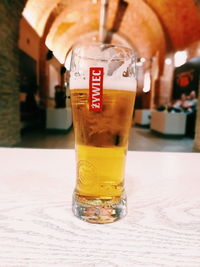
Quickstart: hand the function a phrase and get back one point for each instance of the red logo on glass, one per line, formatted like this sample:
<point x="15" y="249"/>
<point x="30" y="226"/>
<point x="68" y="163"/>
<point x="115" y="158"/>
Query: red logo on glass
<point x="95" y="89"/>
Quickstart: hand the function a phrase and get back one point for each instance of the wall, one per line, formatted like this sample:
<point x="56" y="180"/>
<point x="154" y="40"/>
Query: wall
<point x="29" y="41"/>
<point x="197" y="128"/>
<point x="54" y="77"/>
<point x="9" y="77"/>
<point x="194" y="51"/>
<point x="166" y="81"/>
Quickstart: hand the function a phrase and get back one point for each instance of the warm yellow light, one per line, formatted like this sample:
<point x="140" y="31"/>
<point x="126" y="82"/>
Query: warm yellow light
<point x="29" y="16"/>
<point x="180" y="58"/>
<point x="142" y="59"/>
<point x="147" y="82"/>
<point x="37" y="13"/>
<point x="168" y="61"/>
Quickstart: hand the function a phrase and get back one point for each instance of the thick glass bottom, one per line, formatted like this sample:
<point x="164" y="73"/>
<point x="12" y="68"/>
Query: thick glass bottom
<point x="99" y="210"/>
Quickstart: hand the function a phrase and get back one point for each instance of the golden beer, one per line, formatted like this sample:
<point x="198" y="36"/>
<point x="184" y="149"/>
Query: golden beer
<point x="101" y="143"/>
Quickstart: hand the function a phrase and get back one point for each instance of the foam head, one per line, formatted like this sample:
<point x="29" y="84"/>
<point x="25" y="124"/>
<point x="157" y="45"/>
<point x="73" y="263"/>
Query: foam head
<point x="125" y="83"/>
<point x="117" y="62"/>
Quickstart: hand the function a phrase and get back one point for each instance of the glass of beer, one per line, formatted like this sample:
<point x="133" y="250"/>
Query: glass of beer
<point x="102" y="87"/>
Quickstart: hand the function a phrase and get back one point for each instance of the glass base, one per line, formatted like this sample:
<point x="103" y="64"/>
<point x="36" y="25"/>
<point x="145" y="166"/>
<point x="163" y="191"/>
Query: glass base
<point x="98" y="210"/>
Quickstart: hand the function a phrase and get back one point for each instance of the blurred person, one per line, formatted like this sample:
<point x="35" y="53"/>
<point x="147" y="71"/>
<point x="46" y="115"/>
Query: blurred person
<point x="60" y="97"/>
<point x="174" y="107"/>
<point x="189" y="105"/>
<point x="190" y="108"/>
<point x="177" y="106"/>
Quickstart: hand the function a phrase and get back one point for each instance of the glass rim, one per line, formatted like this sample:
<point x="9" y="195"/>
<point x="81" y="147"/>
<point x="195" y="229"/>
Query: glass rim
<point x="131" y="51"/>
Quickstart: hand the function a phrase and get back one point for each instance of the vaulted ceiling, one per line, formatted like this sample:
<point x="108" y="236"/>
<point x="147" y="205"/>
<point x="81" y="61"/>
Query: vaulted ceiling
<point x="150" y="26"/>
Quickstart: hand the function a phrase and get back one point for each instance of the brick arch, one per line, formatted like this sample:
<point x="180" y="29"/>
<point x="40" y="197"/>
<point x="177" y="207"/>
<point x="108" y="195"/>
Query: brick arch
<point x="148" y="41"/>
<point x="137" y="16"/>
<point x="151" y="26"/>
<point x="180" y="20"/>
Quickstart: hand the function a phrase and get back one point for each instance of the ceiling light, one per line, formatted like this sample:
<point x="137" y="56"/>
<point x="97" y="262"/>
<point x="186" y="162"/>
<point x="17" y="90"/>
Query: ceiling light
<point x="147" y="82"/>
<point x="142" y="59"/>
<point x="168" y="61"/>
<point x="180" y="58"/>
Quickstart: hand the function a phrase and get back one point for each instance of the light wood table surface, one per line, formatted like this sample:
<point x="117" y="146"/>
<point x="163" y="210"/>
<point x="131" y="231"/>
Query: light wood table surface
<point x="38" y="229"/>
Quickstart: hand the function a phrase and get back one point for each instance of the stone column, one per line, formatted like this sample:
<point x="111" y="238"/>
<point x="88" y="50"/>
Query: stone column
<point x="10" y="11"/>
<point x="197" y="129"/>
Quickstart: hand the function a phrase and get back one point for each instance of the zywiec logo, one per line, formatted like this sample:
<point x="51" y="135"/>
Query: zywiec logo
<point x="96" y="89"/>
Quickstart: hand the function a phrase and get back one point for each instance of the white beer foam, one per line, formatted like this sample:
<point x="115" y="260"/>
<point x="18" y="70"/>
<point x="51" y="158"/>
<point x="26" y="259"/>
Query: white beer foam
<point x="124" y="83"/>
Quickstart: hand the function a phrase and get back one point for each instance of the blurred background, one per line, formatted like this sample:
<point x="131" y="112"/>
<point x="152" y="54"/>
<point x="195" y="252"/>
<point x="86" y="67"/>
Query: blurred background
<point x="35" y="50"/>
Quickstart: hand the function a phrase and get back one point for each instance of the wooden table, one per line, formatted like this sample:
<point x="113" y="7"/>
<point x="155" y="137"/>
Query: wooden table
<point x="38" y="229"/>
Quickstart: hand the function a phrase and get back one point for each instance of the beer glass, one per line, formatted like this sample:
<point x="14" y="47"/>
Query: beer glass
<point x="102" y="88"/>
